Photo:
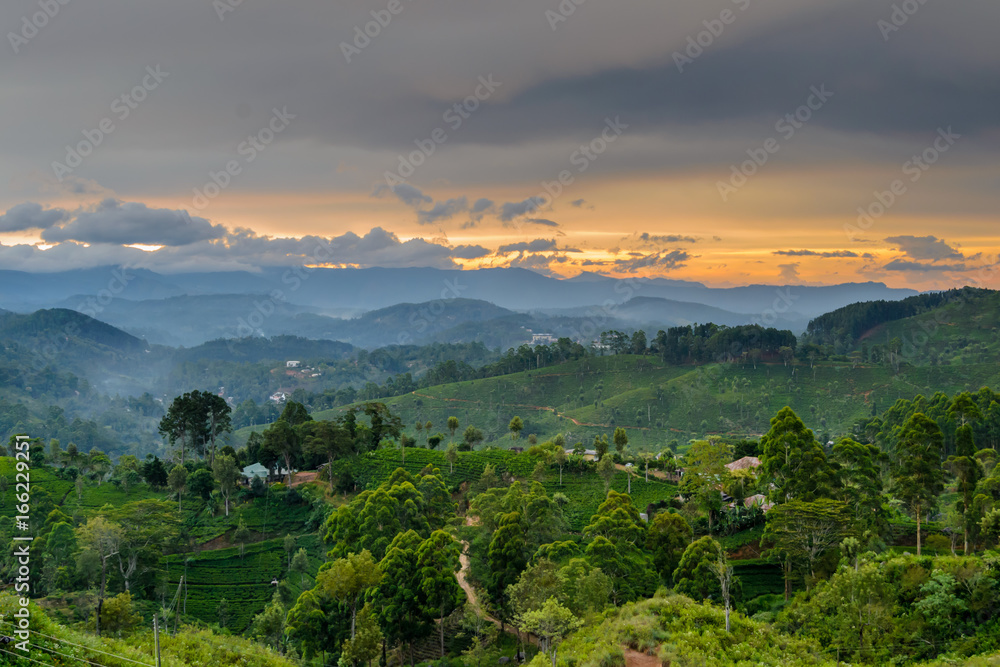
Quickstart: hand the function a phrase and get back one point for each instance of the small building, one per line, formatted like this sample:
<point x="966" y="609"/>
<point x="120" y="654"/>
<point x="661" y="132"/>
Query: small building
<point x="543" y="339"/>
<point x="745" y="463"/>
<point x="292" y="364"/>
<point x="255" y="470"/>
<point x="279" y="397"/>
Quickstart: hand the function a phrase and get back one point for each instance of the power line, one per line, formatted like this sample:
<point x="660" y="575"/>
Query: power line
<point x="23" y="657"/>
<point x="89" y="662"/>
<point x="86" y="648"/>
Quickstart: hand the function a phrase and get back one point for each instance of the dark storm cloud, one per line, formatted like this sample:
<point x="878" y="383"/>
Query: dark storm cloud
<point x="924" y="247"/>
<point x="443" y="210"/>
<point x="124" y="223"/>
<point x="30" y="215"/>
<point x="538" y="245"/>
<point x="663" y="261"/>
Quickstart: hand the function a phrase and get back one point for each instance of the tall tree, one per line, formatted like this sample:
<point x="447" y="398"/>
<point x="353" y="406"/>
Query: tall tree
<point x="227" y="475"/>
<point x="177" y="481"/>
<point x="793" y="460"/>
<point x="515" y="427"/>
<point x="668" y="537"/>
<point x="968" y="471"/>
<point x="399" y="602"/>
<point x="328" y="439"/>
<point x="550" y="623"/>
<point x="438" y="560"/>
<point x="859" y="477"/>
<point x="803" y="531"/>
<point x="918" y="478"/>
<point x="621" y="440"/>
<point x="281" y="442"/>
<point x="348" y="579"/>
<point x="102" y="538"/>
<point x="705" y="474"/>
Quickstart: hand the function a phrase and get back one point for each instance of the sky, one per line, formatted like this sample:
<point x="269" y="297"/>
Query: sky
<point x="722" y="141"/>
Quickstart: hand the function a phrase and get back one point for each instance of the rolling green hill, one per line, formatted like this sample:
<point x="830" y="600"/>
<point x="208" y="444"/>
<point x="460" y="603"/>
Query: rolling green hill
<point x="657" y="403"/>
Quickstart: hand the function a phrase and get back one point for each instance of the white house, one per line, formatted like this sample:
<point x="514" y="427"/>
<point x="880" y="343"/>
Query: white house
<point x="292" y="364"/>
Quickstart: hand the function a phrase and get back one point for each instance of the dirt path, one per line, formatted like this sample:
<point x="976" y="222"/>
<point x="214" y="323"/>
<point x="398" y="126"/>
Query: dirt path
<point x="304" y="478"/>
<point x="470" y="593"/>
<point x="635" y="659"/>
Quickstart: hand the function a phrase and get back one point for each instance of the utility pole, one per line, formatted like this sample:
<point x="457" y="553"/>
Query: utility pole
<point x="156" y="638"/>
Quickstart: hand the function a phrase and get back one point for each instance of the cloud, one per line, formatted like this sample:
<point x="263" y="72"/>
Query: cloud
<point x="538" y="245"/>
<point x="406" y="193"/>
<point x="511" y="210"/>
<point x="661" y="261"/>
<point x="125" y="223"/>
<point x="789" y="272"/>
<point x="652" y="239"/>
<point x="541" y="221"/>
<point x="470" y="252"/>
<point x="924" y="248"/>
<point x="813" y="253"/>
<point x="30" y="215"/>
<point x="443" y="210"/>
<point x="582" y="203"/>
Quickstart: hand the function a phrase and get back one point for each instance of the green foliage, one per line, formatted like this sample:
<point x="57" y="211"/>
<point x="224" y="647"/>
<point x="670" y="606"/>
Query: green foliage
<point x="695" y="575"/>
<point x="668" y="537"/>
<point x="793" y="460"/>
<point x="918" y="478"/>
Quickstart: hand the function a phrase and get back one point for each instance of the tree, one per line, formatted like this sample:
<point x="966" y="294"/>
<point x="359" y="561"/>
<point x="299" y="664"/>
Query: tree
<point x="103" y="539"/>
<point x="601" y="446"/>
<point x="452" y="425"/>
<point x="222" y="613"/>
<point x="617" y="537"/>
<point x="118" y="615"/>
<point x="329" y="440"/>
<point x="803" y="531"/>
<point x="177" y="481"/>
<point x="606" y="469"/>
<point x="227" y="475"/>
<point x="282" y="442"/>
<point x="621" y="440"/>
<point x="559" y="458"/>
<point x="438" y="560"/>
<point x="147" y="526"/>
<point x="472" y="437"/>
<point x="363" y="647"/>
<point x="515" y="427"/>
<point x="300" y="564"/>
<point x="860" y="481"/>
<point x="793" y="460"/>
<point x="706" y="473"/>
<point x="201" y="483"/>
<point x="196" y="420"/>
<point x="399" y="603"/>
<point x="451" y="455"/>
<point x="668" y="537"/>
<point x="269" y="625"/>
<point x="918" y="479"/>
<point x="968" y="471"/>
<point x="348" y="579"/>
<point x="724" y="571"/>
<point x="507" y="558"/>
<point x="550" y="623"/>
<point x="241" y="535"/>
<point x="696" y="575"/>
<point x="154" y="472"/>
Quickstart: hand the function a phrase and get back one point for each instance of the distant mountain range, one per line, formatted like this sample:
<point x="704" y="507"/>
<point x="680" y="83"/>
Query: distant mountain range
<point x="376" y="307"/>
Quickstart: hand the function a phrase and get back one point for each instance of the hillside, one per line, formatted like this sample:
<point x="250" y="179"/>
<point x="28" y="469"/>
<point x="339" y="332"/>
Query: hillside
<point x="657" y="403"/>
